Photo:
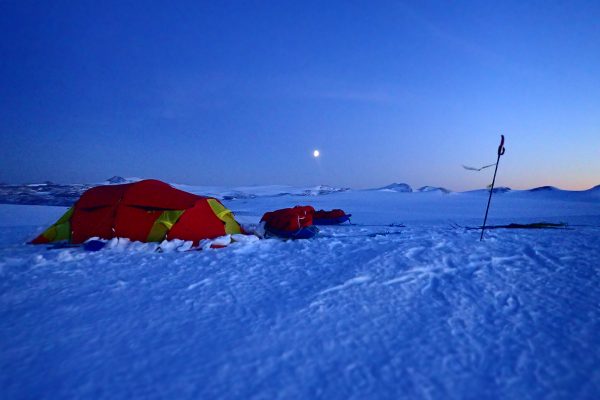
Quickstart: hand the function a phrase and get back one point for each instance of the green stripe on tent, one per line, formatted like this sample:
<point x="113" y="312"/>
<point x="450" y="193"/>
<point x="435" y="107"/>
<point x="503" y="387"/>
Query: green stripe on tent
<point x="225" y="215"/>
<point x="61" y="229"/>
<point x="163" y="224"/>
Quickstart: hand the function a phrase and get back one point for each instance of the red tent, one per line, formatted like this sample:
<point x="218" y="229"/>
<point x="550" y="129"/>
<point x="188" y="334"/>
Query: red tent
<point x="146" y="211"/>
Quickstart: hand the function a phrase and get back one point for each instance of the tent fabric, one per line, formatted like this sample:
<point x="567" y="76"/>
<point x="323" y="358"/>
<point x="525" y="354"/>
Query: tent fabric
<point x="145" y="211"/>
<point x="197" y="221"/>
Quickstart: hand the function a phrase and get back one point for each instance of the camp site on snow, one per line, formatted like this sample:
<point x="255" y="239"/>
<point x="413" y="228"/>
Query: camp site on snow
<point x="153" y="211"/>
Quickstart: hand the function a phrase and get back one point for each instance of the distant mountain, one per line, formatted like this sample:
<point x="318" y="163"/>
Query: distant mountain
<point x="550" y="189"/>
<point x="116" y="180"/>
<point x="433" y="189"/>
<point x="273" y="191"/>
<point x="406" y="188"/>
<point x="236" y="195"/>
<point x="53" y="194"/>
<point x="500" y="189"/>
<point x="594" y="189"/>
<point x="397" y="187"/>
<point x="544" y="189"/>
<point x="50" y="194"/>
<point x="321" y="190"/>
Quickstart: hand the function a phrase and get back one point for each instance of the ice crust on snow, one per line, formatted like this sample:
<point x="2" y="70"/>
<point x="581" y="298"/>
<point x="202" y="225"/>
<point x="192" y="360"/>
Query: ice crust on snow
<point x="370" y="310"/>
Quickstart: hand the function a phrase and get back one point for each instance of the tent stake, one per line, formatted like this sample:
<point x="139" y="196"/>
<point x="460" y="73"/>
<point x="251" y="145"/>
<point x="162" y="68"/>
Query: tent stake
<point x="501" y="150"/>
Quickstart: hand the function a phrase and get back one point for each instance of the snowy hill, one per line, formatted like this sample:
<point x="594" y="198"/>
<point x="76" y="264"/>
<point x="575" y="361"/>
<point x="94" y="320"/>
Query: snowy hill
<point x="370" y="310"/>
<point x="396" y="187"/>
<point x="500" y="190"/>
<point x="433" y="189"/>
<point x="595" y="189"/>
<point x="49" y="193"/>
<point x="42" y="193"/>
<point x="544" y="189"/>
<point x="251" y="192"/>
<point x="116" y="180"/>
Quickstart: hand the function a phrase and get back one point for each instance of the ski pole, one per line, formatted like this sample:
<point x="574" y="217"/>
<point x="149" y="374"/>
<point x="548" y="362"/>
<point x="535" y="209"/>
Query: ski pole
<point x="501" y="150"/>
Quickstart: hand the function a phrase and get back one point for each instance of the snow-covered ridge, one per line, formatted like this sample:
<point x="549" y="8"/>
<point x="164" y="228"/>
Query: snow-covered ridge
<point x="433" y="189"/>
<point x="117" y="180"/>
<point x="251" y="192"/>
<point x="49" y="193"/>
<point x="595" y="189"/>
<point x="406" y="188"/>
<point x="545" y="189"/>
<point x="396" y="187"/>
<point x="499" y="189"/>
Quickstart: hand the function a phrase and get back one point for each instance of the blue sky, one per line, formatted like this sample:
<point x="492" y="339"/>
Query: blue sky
<point x="241" y="93"/>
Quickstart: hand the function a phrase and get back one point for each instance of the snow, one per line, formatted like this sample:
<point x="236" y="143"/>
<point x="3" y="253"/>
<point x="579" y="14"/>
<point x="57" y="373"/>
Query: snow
<point x="371" y="310"/>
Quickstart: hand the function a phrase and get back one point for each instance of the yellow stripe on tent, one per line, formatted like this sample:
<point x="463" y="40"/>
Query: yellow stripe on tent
<point x="163" y="225"/>
<point x="61" y="229"/>
<point x="225" y="215"/>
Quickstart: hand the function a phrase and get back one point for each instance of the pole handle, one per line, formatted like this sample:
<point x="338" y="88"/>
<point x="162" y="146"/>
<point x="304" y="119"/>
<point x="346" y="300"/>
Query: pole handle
<point x="501" y="148"/>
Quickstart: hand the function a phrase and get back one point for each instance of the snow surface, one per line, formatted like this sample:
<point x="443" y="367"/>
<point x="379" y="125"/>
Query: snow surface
<point x="371" y="310"/>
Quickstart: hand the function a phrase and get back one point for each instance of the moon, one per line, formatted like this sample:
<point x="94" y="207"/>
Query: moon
<point x="316" y="153"/>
